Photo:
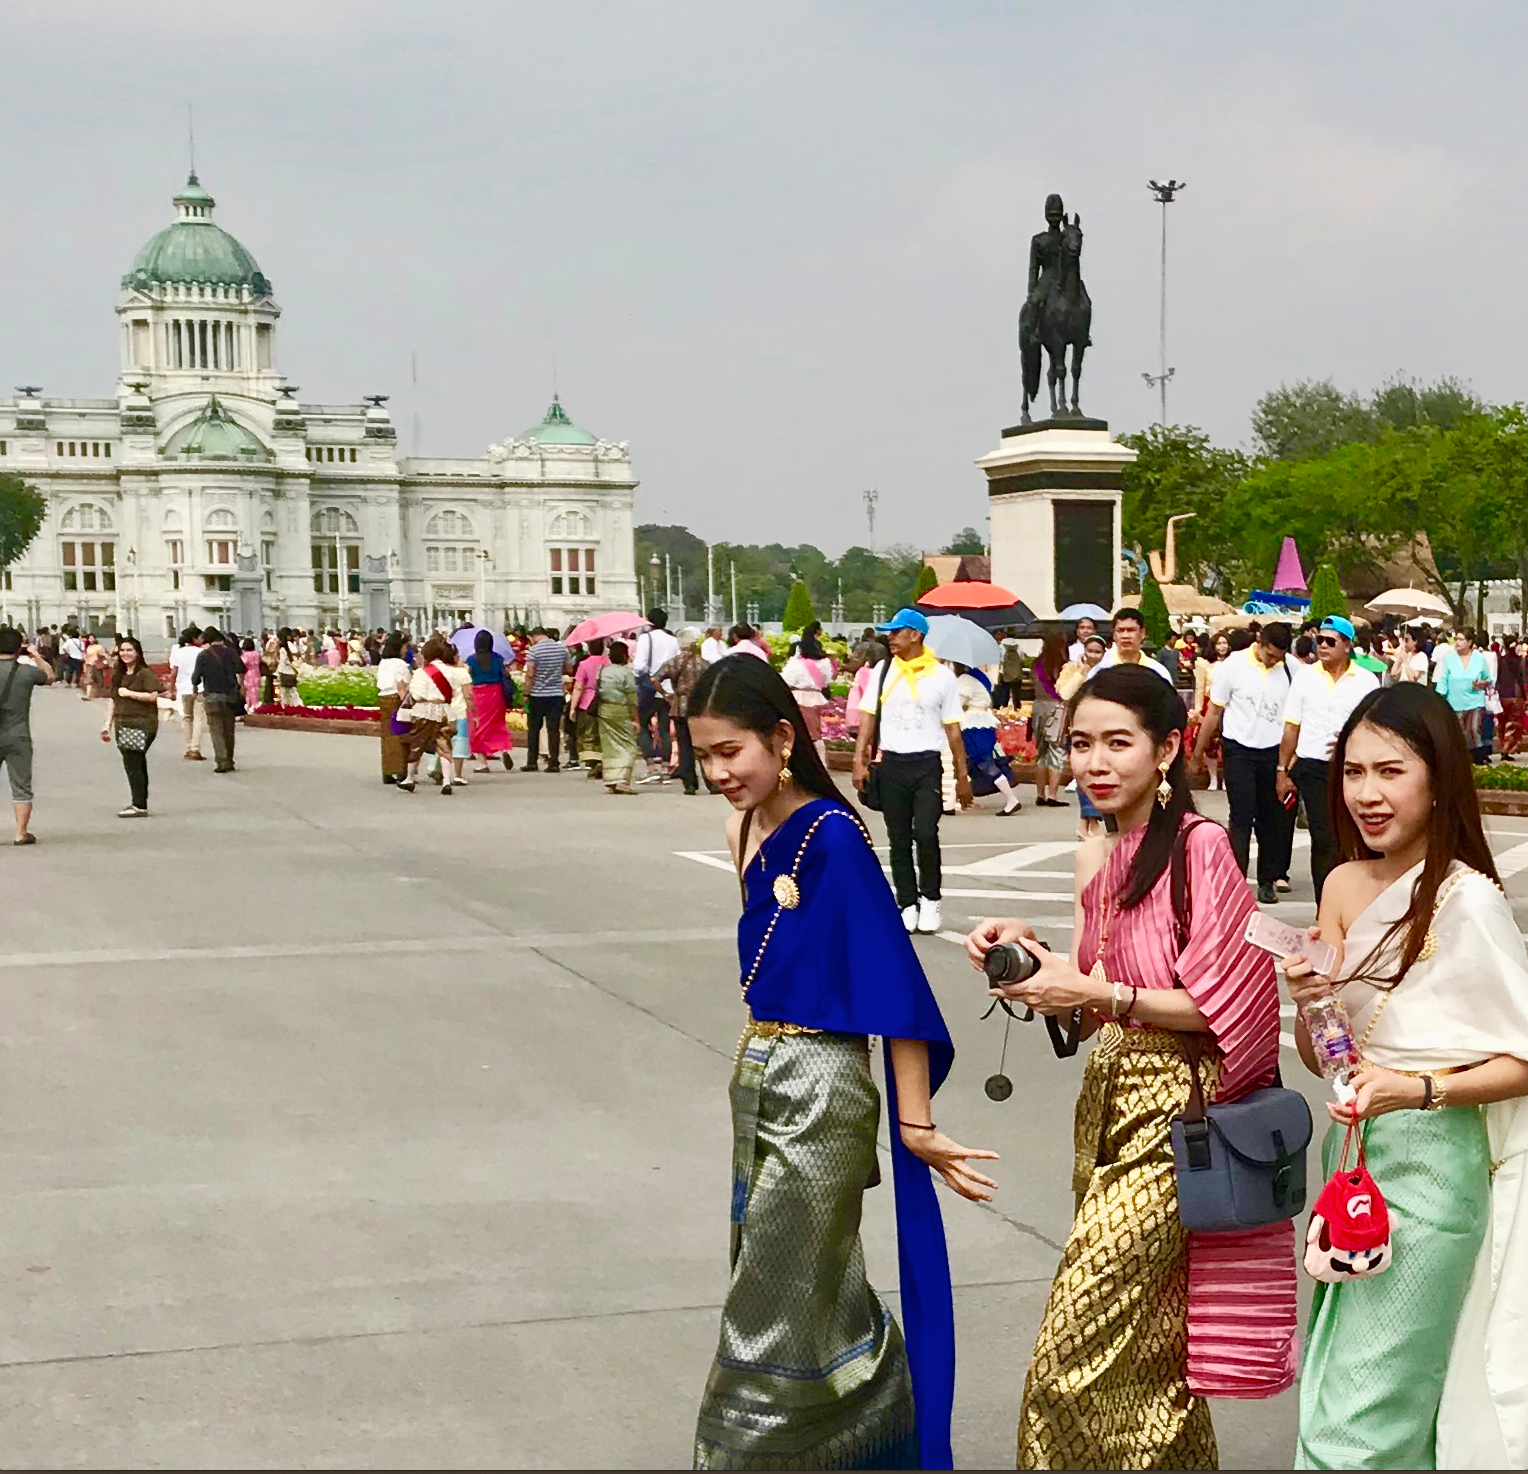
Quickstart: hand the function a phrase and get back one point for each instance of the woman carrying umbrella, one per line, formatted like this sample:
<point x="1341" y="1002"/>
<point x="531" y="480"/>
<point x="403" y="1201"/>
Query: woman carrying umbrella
<point x="488" y="732"/>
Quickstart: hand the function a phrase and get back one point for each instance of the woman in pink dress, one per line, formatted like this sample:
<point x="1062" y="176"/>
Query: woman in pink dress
<point x="250" y="658"/>
<point x="585" y="702"/>
<point x="488" y="732"/>
<point x="1145" y="1321"/>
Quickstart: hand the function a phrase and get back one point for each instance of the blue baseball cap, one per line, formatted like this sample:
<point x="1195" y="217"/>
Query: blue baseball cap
<point x="1339" y="626"/>
<point x="904" y="619"/>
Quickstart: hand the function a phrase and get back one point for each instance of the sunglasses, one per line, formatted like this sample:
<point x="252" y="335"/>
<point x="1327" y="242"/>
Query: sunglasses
<point x="1326" y="639"/>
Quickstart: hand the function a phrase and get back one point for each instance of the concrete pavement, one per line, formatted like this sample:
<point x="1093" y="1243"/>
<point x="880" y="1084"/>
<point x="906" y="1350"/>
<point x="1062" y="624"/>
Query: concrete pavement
<point x="342" y="1127"/>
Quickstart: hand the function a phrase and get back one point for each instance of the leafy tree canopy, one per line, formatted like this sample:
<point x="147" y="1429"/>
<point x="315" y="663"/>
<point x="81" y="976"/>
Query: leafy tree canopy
<point x="22" y="510"/>
<point x="967" y="541"/>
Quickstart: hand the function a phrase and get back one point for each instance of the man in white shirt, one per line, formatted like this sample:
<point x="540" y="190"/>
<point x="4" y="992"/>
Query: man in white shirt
<point x="1248" y="693"/>
<point x="193" y="705"/>
<point x="713" y="647"/>
<point x="73" y="649"/>
<point x="655" y="647"/>
<point x="910" y="713"/>
<point x="1129" y="633"/>
<point x="1085" y="627"/>
<point x="1321" y="699"/>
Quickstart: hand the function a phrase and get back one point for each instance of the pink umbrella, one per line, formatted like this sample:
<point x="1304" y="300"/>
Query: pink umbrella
<point x="603" y="627"/>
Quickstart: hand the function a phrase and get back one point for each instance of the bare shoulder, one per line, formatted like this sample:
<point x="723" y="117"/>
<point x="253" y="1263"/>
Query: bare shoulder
<point x="1091" y="854"/>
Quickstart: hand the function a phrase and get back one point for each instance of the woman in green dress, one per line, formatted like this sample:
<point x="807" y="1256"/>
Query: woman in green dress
<point x="617" y="704"/>
<point x="1422" y="1366"/>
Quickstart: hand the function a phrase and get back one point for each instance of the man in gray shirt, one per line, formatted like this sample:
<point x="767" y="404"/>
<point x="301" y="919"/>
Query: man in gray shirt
<point x="18" y="679"/>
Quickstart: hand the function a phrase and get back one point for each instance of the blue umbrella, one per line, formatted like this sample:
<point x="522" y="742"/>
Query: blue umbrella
<point x="1084" y="611"/>
<point x="465" y="641"/>
<point x="952" y="638"/>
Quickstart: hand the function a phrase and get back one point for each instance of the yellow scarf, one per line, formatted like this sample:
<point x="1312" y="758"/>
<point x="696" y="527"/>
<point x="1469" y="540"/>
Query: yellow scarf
<point x="910" y="670"/>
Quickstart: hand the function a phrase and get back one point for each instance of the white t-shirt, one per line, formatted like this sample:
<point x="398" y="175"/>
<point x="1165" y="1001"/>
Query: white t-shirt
<point x="1252" y="696"/>
<point x="1111" y="657"/>
<point x="655" y="648"/>
<point x="1319" y="706"/>
<point x="908" y="725"/>
<point x="460" y="678"/>
<point x="183" y="662"/>
<point x="712" y="650"/>
<point x="389" y="673"/>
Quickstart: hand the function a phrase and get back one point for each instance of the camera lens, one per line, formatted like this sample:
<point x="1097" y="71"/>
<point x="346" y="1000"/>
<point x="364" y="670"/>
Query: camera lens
<point x="1006" y="963"/>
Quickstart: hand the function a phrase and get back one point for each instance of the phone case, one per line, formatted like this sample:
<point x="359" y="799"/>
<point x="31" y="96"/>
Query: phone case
<point x="1283" y="940"/>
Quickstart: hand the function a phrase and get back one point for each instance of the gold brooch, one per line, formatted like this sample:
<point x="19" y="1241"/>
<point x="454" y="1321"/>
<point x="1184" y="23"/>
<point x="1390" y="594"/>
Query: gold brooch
<point x="787" y="892"/>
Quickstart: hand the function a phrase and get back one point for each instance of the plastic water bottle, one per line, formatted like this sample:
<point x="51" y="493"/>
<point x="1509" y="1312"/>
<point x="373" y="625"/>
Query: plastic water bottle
<point x="1331" y="1038"/>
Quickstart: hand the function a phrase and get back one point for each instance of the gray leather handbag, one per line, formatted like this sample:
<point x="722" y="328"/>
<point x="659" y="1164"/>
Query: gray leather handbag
<point x="1239" y="1164"/>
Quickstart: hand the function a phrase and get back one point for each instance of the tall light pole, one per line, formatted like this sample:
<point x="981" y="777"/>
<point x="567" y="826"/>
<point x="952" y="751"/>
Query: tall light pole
<point x="1164" y="195"/>
<point x="871" y="496"/>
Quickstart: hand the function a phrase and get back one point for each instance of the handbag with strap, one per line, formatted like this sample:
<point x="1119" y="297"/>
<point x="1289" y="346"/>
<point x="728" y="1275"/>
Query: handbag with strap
<point x="1239" y="1164"/>
<point x="870" y="794"/>
<point x="131" y="739"/>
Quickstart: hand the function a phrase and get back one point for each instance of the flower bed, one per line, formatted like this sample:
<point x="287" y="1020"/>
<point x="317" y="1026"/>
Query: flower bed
<point x="320" y="713"/>
<point x="337" y="686"/>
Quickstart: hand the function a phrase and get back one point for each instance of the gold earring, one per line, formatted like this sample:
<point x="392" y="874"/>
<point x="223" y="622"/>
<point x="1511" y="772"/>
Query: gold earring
<point x="1164" y="788"/>
<point x="785" y="769"/>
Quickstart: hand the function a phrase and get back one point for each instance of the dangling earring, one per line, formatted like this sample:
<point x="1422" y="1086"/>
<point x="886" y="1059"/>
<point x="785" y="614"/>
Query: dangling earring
<point x="1164" y="788"/>
<point x="785" y="769"/>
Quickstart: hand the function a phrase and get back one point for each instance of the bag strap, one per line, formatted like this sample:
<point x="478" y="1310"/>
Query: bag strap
<point x="1179" y="886"/>
<point x="10" y="680"/>
<point x="880" y="696"/>
<point x="742" y="849"/>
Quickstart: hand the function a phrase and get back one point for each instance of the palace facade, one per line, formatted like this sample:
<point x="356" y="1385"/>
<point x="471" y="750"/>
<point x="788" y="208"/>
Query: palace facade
<point x="207" y="492"/>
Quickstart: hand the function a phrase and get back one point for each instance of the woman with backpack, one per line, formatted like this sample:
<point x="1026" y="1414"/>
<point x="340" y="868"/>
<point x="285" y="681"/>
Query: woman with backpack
<point x="1145" y="1321"/>
<point x="1422" y="1365"/>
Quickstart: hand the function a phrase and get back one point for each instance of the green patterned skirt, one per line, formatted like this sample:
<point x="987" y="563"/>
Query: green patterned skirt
<point x="1377" y="1350"/>
<point x="811" y="1372"/>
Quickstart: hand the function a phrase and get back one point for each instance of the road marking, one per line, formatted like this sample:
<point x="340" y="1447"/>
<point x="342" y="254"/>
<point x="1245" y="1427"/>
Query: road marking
<point x="707" y="857"/>
<point x="495" y="942"/>
<point x="1509" y="862"/>
<point x="1016" y="860"/>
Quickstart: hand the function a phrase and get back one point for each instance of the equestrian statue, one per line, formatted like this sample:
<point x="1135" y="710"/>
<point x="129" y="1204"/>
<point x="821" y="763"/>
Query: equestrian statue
<point x="1057" y="313"/>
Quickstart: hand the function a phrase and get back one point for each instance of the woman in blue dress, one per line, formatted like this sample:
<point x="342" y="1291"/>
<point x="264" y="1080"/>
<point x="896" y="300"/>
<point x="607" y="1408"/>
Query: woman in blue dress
<point x="812" y="1372"/>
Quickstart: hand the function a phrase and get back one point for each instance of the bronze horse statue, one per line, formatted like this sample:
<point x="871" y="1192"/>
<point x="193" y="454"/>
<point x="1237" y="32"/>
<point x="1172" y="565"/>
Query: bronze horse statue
<point x="1057" y="315"/>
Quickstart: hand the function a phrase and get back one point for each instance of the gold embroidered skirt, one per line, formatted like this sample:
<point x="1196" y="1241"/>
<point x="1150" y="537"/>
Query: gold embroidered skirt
<point x="1107" y="1387"/>
<point x="811" y="1371"/>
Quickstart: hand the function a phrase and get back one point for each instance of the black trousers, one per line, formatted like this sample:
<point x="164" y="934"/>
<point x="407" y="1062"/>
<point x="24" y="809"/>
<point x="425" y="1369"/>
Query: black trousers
<point x="654" y="709"/>
<point x="220" y="723"/>
<point x="910" y="804"/>
<point x="1251" y="775"/>
<point x="689" y="774"/>
<point x="1311" y="779"/>
<point x="542" y="711"/>
<point x="136" y="766"/>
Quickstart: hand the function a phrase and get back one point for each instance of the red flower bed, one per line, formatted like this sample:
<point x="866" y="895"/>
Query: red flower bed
<point x="321" y="713"/>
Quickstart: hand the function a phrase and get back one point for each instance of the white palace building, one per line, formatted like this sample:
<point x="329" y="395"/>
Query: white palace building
<point x="206" y="492"/>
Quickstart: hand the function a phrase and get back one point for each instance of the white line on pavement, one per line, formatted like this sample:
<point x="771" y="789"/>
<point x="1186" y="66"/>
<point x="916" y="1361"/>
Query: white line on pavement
<point x="1509" y="862"/>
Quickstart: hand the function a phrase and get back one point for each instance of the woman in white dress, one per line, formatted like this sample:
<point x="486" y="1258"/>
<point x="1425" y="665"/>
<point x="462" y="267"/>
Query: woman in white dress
<point x="1425" y="1365"/>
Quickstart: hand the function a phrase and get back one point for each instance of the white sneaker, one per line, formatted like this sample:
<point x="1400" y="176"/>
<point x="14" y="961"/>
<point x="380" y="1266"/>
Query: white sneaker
<point x="930" y="915"/>
<point x="910" y="917"/>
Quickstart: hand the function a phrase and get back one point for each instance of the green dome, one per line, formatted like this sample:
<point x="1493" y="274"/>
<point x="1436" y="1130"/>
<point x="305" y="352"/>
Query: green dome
<point x="212" y="436"/>
<point x="557" y="429"/>
<point x="195" y="252"/>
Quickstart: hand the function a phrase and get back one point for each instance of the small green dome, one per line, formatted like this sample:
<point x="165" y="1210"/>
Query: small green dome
<point x="558" y="429"/>
<point x="195" y="252"/>
<point x="212" y="436"/>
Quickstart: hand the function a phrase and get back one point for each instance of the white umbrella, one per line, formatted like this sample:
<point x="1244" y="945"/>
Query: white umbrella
<point x="1410" y="602"/>
<point x="952" y="638"/>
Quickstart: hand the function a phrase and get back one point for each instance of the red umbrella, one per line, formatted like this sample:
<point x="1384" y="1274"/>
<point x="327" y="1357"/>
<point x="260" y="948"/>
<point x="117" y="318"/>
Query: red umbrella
<point x="968" y="595"/>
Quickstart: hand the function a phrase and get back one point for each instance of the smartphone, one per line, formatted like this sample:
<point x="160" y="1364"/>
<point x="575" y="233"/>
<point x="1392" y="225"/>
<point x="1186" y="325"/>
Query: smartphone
<point x="1284" y="940"/>
<point x="1291" y="798"/>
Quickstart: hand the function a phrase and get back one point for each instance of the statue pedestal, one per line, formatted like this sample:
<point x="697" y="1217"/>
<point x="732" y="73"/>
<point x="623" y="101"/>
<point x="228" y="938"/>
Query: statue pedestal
<point x="1054" y="495"/>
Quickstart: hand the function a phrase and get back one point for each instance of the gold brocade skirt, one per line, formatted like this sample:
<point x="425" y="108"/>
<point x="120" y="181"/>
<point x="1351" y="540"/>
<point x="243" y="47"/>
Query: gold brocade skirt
<point x="811" y="1371"/>
<point x="1108" y="1386"/>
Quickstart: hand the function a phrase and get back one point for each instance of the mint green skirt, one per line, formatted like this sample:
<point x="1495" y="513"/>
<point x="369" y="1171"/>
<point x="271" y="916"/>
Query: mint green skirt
<point x="1377" y="1350"/>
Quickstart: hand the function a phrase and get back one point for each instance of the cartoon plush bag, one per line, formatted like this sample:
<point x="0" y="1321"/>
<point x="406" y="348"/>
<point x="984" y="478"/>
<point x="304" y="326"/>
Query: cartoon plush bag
<point x="1349" y="1233"/>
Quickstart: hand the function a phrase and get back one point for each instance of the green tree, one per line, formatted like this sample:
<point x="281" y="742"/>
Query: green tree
<point x="966" y="542"/>
<point x="1326" y="593"/>
<point x="798" y="608"/>
<point x="1299" y="421"/>
<point x="22" y="510"/>
<point x="926" y="580"/>
<point x="1159" y="629"/>
<point x="1407" y="404"/>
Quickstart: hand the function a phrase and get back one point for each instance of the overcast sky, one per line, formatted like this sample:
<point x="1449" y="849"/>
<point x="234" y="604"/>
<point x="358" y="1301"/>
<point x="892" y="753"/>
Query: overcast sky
<point x="780" y="247"/>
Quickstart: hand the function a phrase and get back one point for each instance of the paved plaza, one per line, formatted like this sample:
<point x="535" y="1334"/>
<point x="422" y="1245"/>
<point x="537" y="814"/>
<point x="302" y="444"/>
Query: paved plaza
<point x="347" y="1128"/>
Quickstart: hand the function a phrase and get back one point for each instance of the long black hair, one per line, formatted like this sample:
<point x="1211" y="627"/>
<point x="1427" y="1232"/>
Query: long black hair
<point x="1159" y="709"/>
<point x="119" y="668"/>
<point x="1426" y="723"/>
<point x="749" y="692"/>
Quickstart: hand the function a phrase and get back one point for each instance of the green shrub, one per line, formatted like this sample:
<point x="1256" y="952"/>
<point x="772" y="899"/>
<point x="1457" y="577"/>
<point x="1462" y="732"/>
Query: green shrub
<point x="798" y="608"/>
<point x="338" y="685"/>
<point x="927" y="579"/>
<point x="1508" y="776"/>
<point x="1326" y="593"/>
<point x="1159" y="630"/>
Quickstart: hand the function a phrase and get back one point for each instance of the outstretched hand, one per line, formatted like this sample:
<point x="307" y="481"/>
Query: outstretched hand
<point x="948" y="1158"/>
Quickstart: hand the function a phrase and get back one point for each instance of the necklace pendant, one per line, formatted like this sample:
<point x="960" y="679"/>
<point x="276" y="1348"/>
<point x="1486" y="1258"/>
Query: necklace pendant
<point x="787" y="892"/>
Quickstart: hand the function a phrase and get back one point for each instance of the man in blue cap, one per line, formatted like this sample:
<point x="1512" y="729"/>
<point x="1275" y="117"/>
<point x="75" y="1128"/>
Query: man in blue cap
<point x="912" y="713"/>
<point x="1321" y="699"/>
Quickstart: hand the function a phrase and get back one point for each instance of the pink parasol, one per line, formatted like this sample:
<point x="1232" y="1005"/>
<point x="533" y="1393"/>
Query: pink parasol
<point x="604" y="627"/>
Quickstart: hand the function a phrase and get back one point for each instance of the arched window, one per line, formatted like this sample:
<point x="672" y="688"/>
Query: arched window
<point x="449" y="524"/>
<point x="335" y="522"/>
<point x="336" y="540"/>
<point x="220" y="519"/>
<point x="87" y="517"/>
<point x="89" y="562"/>
<point x="571" y="524"/>
<point x="450" y="549"/>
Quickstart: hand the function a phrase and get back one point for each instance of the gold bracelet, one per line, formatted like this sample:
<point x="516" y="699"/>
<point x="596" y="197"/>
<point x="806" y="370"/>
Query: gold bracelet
<point x="1439" y="1094"/>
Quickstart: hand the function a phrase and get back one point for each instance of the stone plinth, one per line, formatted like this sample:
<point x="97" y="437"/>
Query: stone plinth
<point x="1054" y="492"/>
